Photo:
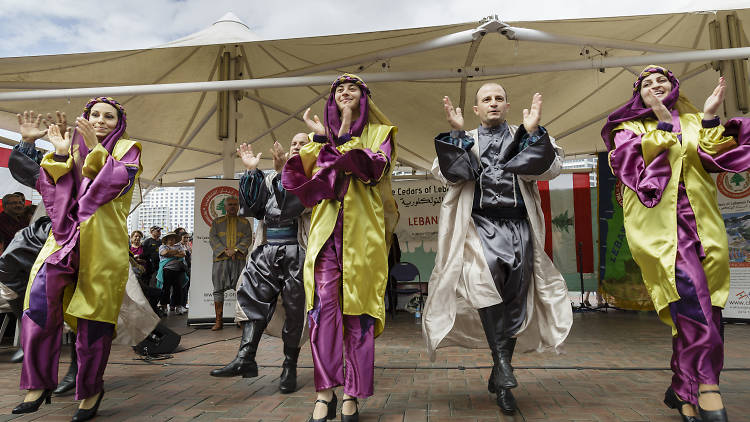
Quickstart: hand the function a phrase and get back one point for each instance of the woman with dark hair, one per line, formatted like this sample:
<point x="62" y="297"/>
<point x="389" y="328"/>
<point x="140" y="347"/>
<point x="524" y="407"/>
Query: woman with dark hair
<point x="662" y="149"/>
<point x="344" y="175"/>
<point x="80" y="274"/>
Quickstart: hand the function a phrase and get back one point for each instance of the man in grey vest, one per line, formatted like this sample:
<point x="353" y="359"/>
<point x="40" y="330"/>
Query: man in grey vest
<point x="491" y="263"/>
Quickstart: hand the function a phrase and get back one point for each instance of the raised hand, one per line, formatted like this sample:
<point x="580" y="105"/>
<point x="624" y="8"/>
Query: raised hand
<point x="28" y="126"/>
<point x="279" y="156"/>
<point x="346" y="121"/>
<point x="61" y="144"/>
<point x="249" y="160"/>
<point x="314" y="124"/>
<point x="88" y="132"/>
<point x="532" y="115"/>
<point x="714" y="100"/>
<point x="62" y="120"/>
<point x="659" y="109"/>
<point x="454" y="116"/>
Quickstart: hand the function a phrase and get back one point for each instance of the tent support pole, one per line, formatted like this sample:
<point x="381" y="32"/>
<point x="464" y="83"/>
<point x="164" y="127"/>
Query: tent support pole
<point x="598" y="63"/>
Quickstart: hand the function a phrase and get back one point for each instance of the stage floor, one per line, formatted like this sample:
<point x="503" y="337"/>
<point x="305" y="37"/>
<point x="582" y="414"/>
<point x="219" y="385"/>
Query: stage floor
<point x="615" y="369"/>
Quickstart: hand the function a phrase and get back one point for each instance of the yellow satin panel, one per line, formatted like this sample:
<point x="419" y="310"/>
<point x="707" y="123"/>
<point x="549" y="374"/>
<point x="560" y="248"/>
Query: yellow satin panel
<point x="94" y="161"/>
<point x="652" y="232"/>
<point x="103" y="268"/>
<point x="56" y="169"/>
<point x="365" y="250"/>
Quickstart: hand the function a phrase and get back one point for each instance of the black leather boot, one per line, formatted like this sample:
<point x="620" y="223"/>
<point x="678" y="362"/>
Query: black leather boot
<point x="288" y="379"/>
<point x="69" y="380"/>
<point x="504" y="376"/>
<point x="244" y="364"/>
<point x="487" y="316"/>
<point x="506" y="401"/>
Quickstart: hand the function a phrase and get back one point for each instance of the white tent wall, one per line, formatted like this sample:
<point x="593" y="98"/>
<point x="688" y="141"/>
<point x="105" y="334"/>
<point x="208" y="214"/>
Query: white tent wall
<point x="179" y="130"/>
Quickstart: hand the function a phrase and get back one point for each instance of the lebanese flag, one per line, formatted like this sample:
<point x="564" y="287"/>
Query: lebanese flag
<point x="7" y="183"/>
<point x="566" y="203"/>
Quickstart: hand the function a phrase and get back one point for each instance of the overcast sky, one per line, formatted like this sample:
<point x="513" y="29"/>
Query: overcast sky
<point x="34" y="27"/>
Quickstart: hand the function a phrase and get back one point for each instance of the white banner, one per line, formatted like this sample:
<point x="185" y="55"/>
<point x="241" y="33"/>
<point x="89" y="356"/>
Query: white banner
<point x="209" y="204"/>
<point x="733" y="197"/>
<point x="419" y="207"/>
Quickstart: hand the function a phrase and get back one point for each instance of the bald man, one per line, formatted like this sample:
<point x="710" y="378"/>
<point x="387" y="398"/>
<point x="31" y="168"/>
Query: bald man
<point x="491" y="270"/>
<point x="275" y="265"/>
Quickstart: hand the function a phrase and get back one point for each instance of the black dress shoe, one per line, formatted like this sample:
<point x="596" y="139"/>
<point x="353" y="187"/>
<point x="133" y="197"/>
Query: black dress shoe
<point x="713" y="415"/>
<point x="331" y="405"/>
<point x="491" y="381"/>
<point x="86" y="414"/>
<point x="33" y="406"/>
<point x="506" y="401"/>
<point x="354" y="417"/>
<point x="17" y="356"/>
<point x="674" y="402"/>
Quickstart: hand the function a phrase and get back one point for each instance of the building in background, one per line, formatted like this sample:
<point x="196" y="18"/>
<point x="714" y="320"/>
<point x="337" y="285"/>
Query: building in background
<point x="165" y="207"/>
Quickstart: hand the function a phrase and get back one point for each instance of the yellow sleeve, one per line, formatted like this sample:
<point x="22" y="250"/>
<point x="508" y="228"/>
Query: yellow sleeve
<point x="94" y="161"/>
<point x="712" y="140"/>
<point x="654" y="142"/>
<point x="56" y="169"/>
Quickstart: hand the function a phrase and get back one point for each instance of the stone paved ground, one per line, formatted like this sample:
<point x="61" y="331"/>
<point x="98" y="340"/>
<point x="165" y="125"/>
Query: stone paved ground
<point x="615" y="369"/>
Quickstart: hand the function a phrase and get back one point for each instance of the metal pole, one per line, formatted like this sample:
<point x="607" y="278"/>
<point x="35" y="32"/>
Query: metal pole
<point x="525" y="34"/>
<point x="264" y="83"/>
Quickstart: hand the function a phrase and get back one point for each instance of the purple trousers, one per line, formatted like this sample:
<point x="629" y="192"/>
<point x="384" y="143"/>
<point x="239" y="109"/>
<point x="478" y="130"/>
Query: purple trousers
<point x="41" y="334"/>
<point x="698" y="347"/>
<point x="334" y="336"/>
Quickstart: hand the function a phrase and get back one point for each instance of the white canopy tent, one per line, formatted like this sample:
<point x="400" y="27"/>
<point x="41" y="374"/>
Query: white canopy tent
<point x="186" y="98"/>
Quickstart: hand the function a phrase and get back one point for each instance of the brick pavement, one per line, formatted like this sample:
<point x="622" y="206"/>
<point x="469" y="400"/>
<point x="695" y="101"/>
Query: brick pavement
<point x="615" y="369"/>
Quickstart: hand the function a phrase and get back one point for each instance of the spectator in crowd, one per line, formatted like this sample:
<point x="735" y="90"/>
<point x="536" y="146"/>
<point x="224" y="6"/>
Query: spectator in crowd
<point x="171" y="273"/>
<point x="230" y="237"/>
<point x="188" y="246"/>
<point x="11" y="219"/>
<point x="151" y="251"/>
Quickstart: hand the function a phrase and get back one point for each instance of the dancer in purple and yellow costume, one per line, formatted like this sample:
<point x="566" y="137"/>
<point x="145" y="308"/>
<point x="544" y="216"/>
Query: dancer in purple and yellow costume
<point x="662" y="149"/>
<point x="345" y="176"/>
<point x="81" y="272"/>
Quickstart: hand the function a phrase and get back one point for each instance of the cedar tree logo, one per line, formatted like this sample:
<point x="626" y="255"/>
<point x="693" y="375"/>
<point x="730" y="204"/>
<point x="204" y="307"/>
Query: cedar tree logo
<point x="734" y="185"/>
<point x="212" y="204"/>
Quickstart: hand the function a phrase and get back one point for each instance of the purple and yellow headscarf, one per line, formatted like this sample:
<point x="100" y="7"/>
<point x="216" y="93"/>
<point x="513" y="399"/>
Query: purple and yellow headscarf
<point x="118" y="132"/>
<point x="368" y="111"/>
<point x="635" y="108"/>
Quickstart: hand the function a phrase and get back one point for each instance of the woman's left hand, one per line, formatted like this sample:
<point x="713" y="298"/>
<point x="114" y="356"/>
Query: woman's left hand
<point x="714" y="100"/>
<point x="88" y="132"/>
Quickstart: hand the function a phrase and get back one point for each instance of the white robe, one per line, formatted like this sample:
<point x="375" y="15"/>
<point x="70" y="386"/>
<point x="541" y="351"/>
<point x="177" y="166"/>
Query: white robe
<point x="461" y="281"/>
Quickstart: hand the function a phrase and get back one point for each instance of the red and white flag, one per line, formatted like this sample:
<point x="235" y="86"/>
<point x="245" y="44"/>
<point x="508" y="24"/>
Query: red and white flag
<point x="566" y="203"/>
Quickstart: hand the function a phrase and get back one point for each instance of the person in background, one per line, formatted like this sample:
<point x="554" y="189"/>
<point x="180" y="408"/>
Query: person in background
<point x="230" y="237"/>
<point x="11" y="219"/>
<point x="171" y="273"/>
<point x="188" y="246"/>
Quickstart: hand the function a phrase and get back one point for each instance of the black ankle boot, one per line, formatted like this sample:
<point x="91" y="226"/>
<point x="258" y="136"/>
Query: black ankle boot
<point x="713" y="415"/>
<point x="504" y="375"/>
<point x="288" y="379"/>
<point x="244" y="364"/>
<point x="69" y="380"/>
<point x="506" y="401"/>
